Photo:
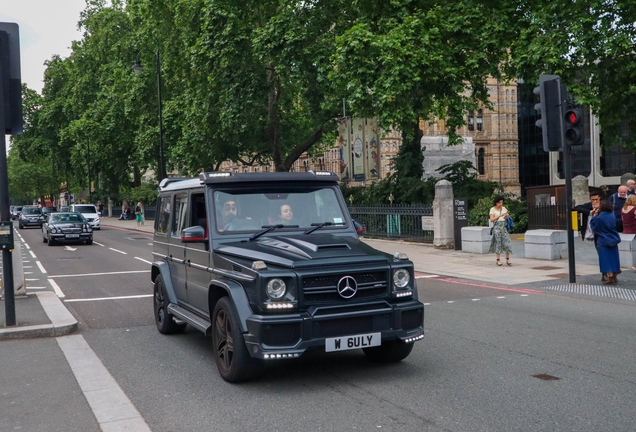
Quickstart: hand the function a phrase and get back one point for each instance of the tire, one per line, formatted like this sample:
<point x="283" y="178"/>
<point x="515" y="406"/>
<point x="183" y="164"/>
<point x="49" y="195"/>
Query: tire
<point x="389" y="352"/>
<point x="163" y="320"/>
<point x="20" y="226"/>
<point x="51" y="242"/>
<point x="44" y="240"/>
<point x="89" y="242"/>
<point x="230" y="353"/>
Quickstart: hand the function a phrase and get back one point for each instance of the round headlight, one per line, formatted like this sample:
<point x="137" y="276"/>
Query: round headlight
<point x="276" y="289"/>
<point x="401" y="278"/>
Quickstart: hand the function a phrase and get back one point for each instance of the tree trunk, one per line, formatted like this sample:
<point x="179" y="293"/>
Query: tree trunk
<point x="136" y="176"/>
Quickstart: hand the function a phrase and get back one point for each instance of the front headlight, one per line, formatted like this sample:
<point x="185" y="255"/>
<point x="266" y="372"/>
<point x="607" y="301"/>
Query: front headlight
<point x="401" y="278"/>
<point x="276" y="289"/>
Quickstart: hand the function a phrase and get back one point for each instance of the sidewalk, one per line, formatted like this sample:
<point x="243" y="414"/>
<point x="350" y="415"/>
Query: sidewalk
<point x="128" y="224"/>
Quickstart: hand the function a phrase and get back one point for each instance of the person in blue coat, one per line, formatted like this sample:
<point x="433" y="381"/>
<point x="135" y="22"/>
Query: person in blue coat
<point x="604" y="226"/>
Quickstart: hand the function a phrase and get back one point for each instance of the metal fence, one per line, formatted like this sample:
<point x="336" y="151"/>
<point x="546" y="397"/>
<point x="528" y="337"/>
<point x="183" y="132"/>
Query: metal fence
<point x="403" y="222"/>
<point x="547" y="216"/>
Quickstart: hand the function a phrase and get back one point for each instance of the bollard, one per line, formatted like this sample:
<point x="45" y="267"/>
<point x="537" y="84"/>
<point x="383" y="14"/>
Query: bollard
<point x="443" y="222"/>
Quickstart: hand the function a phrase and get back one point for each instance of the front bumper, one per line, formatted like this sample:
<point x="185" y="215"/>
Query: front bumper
<point x="289" y="335"/>
<point x="94" y="224"/>
<point x="27" y="222"/>
<point x="61" y="238"/>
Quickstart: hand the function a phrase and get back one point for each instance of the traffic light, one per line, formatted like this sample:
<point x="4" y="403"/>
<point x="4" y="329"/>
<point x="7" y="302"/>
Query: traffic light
<point x="551" y="123"/>
<point x="10" y="84"/>
<point x="574" y="133"/>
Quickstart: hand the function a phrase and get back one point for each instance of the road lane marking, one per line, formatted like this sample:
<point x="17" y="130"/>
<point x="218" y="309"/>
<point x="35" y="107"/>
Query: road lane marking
<point x="68" y="248"/>
<point x="113" y="410"/>
<point x="27" y="266"/>
<point x="125" y="253"/>
<point x="41" y="268"/>
<point x="28" y="272"/>
<point x="426" y="276"/>
<point x="22" y="239"/>
<point x="100" y="274"/>
<point x="98" y="244"/>
<point x="57" y="289"/>
<point x="31" y="280"/>
<point x="32" y="254"/>
<point x="141" y="259"/>
<point x="30" y="287"/>
<point x="109" y="298"/>
<point x="27" y="246"/>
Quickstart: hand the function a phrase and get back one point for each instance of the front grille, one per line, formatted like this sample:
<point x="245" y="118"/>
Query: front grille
<point x="350" y="309"/>
<point x="352" y="326"/>
<point x="72" y="230"/>
<point x="322" y="289"/>
<point x="412" y="319"/>
<point x="275" y="335"/>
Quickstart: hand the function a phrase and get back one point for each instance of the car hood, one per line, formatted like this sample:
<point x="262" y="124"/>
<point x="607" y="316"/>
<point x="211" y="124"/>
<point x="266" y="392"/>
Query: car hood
<point x="62" y="225"/>
<point x="296" y="251"/>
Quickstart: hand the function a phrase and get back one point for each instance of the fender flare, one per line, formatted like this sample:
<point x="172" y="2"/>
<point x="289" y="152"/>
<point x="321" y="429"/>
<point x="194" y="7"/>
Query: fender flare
<point x="161" y="268"/>
<point x="236" y="292"/>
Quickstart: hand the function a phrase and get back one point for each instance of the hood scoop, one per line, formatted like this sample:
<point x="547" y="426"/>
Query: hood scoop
<point x="278" y="244"/>
<point x="318" y="247"/>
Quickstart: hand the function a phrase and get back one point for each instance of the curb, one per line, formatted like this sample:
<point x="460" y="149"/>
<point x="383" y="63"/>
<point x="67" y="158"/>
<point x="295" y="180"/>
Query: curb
<point x="62" y="322"/>
<point x="126" y="228"/>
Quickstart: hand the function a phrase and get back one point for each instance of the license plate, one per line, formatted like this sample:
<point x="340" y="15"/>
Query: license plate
<point x="353" y="342"/>
<point x="72" y="235"/>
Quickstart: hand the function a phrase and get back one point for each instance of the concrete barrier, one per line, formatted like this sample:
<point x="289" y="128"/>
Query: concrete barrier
<point x="546" y="244"/>
<point x="627" y="250"/>
<point x="476" y="239"/>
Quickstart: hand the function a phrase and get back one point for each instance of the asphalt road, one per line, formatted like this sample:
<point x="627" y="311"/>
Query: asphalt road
<point x="474" y="371"/>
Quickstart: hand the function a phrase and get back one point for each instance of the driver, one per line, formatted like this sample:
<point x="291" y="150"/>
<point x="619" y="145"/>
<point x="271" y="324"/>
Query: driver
<point x="229" y="213"/>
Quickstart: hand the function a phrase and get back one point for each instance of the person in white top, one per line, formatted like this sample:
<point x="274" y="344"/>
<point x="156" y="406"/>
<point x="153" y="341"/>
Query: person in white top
<point x="500" y="238"/>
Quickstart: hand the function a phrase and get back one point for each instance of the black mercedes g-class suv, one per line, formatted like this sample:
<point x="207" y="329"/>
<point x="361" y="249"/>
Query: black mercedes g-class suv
<point x="270" y="264"/>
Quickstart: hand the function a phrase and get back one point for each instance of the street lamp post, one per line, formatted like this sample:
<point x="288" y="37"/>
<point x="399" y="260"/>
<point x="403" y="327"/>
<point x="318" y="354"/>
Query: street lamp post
<point x="138" y="68"/>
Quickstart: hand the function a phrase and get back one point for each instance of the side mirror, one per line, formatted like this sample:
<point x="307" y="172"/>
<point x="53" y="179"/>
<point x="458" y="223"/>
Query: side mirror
<point x="361" y="229"/>
<point x="193" y="234"/>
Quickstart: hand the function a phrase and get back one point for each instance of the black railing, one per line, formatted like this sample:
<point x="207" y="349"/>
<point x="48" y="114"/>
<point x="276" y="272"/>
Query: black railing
<point x="546" y="216"/>
<point x="396" y="222"/>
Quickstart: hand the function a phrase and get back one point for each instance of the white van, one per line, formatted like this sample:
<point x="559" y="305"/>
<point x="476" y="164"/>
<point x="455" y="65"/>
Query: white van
<point x="89" y="211"/>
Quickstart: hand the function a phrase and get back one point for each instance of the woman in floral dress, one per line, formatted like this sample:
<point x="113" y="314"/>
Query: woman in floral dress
<point x="500" y="238"/>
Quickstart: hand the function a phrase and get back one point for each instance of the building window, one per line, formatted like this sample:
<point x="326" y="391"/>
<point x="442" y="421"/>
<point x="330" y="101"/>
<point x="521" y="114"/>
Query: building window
<point x="480" y="120"/>
<point x="471" y="120"/>
<point x="481" y="165"/>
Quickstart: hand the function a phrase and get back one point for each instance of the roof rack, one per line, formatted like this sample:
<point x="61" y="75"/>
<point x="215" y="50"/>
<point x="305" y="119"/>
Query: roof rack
<point x="165" y="182"/>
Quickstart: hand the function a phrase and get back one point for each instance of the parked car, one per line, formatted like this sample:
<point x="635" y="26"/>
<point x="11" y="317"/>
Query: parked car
<point x="15" y="212"/>
<point x="89" y="212"/>
<point x="271" y="265"/>
<point x="30" y="216"/>
<point x="66" y="228"/>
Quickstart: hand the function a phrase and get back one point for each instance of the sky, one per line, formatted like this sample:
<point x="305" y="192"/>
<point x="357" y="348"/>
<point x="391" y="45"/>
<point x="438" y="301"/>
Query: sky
<point x="47" y="27"/>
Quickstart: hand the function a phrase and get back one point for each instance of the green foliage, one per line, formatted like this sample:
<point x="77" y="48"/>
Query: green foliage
<point x="146" y="193"/>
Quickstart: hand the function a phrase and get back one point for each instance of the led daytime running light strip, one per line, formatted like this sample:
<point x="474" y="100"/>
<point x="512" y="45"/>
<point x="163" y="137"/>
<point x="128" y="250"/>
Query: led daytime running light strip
<point x="404" y="294"/>
<point x="280" y="305"/>
<point x="413" y="339"/>
<point x="280" y="356"/>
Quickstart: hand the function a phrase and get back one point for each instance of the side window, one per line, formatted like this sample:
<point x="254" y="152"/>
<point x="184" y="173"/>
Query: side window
<point x="161" y="222"/>
<point x="180" y="213"/>
<point x="198" y="215"/>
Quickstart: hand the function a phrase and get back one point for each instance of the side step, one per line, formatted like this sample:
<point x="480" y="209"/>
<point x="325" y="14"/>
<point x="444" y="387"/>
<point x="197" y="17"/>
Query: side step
<point x="194" y="320"/>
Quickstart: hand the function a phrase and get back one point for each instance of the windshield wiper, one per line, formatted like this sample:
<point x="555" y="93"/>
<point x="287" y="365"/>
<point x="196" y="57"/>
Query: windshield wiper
<point x="317" y="226"/>
<point x="269" y="228"/>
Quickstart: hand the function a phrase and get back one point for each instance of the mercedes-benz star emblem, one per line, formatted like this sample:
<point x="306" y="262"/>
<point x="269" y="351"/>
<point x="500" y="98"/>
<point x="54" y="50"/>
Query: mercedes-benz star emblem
<point x="347" y="287"/>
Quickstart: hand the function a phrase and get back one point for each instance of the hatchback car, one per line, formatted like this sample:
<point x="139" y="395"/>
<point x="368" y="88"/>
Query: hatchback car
<point x="271" y="265"/>
<point x="15" y="212"/>
<point x="66" y="228"/>
<point x="30" y="216"/>
<point x="89" y="212"/>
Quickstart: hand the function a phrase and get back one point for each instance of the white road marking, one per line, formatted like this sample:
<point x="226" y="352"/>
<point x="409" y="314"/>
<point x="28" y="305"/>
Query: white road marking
<point x="32" y="254"/>
<point x="31" y="280"/>
<point x="98" y="244"/>
<point x="451" y="301"/>
<point x="476" y="299"/>
<point x="524" y="295"/>
<point x="27" y="266"/>
<point x="141" y="259"/>
<point x="68" y="248"/>
<point x="22" y="239"/>
<point x="30" y="287"/>
<point x="113" y="410"/>
<point x="100" y="274"/>
<point x="501" y="297"/>
<point x="125" y="253"/>
<point x="28" y="272"/>
<point x="426" y="276"/>
<point x="27" y="246"/>
<point x="109" y="298"/>
<point x="427" y="304"/>
<point x="149" y="244"/>
<point x="57" y="289"/>
<point x="26" y="261"/>
<point x="41" y="268"/>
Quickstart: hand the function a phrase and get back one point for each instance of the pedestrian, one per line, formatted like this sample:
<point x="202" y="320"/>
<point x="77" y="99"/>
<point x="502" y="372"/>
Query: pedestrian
<point x="631" y="187"/>
<point x="628" y="213"/>
<point x="618" y="200"/>
<point x="603" y="224"/>
<point x="100" y="207"/>
<point x="138" y="213"/>
<point x="500" y="238"/>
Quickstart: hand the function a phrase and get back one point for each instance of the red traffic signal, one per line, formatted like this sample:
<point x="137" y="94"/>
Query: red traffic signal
<point x="574" y="133"/>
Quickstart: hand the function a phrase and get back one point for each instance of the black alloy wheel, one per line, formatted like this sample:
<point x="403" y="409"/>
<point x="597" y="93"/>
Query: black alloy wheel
<point x="51" y="242"/>
<point x="230" y="353"/>
<point x="163" y="320"/>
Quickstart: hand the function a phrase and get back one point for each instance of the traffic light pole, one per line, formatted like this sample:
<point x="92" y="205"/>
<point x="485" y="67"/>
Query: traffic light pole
<point x="567" y="172"/>
<point x="7" y="254"/>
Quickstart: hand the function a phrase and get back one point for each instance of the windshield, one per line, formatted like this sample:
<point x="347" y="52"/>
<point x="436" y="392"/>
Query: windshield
<point x="250" y="211"/>
<point x="61" y="217"/>
<point x="17" y="209"/>
<point x="49" y="209"/>
<point x="85" y="209"/>
<point x="32" y="211"/>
